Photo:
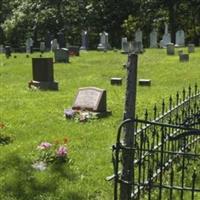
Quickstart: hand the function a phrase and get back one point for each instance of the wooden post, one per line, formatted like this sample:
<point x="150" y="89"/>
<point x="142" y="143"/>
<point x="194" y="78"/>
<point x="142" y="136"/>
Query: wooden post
<point x="128" y="140"/>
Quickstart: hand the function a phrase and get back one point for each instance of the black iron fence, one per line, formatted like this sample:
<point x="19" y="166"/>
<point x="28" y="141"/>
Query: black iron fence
<point x="166" y="153"/>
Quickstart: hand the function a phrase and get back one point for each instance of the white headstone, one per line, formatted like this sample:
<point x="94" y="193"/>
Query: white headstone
<point x="138" y="35"/>
<point x="29" y="45"/>
<point x="42" y="46"/>
<point x="103" y="45"/>
<point x="153" y="39"/>
<point x="124" y="45"/>
<point x="180" y="38"/>
<point x="54" y="45"/>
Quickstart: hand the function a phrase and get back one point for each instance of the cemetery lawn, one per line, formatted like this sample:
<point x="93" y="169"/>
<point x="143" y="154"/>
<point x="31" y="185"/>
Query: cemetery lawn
<point x="32" y="116"/>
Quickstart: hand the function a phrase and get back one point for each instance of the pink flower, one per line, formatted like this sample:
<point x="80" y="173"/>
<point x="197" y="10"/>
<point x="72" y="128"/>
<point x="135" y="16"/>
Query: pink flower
<point x="44" y="145"/>
<point x="62" y="151"/>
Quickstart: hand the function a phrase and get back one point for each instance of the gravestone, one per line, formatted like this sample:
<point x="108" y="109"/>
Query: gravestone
<point x="61" y="39"/>
<point x="124" y="45"/>
<point x="166" y="39"/>
<point x="91" y="99"/>
<point x="184" y="57"/>
<point x="153" y="39"/>
<point x="144" y="82"/>
<point x="136" y="46"/>
<point x="180" y="51"/>
<point x="61" y="55"/>
<point x="103" y="45"/>
<point x="54" y="45"/>
<point x="1" y="48"/>
<point x="7" y="51"/>
<point x="48" y="41"/>
<point x="43" y="74"/>
<point x="170" y="49"/>
<point x="191" y="48"/>
<point x="74" y="50"/>
<point x="29" y="45"/>
<point x="180" y="38"/>
<point x="138" y="37"/>
<point x="116" y="81"/>
<point x="84" y="42"/>
<point x="42" y="47"/>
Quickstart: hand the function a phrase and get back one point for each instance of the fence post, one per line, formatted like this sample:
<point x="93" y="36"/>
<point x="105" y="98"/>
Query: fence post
<point x="128" y="139"/>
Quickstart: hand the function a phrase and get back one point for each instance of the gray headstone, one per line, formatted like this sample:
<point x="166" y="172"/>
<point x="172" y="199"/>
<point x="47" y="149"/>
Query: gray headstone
<point x="166" y="39"/>
<point x="138" y="36"/>
<point x="61" y="55"/>
<point x="170" y="49"/>
<point x="7" y="51"/>
<point x="42" y="46"/>
<point x="153" y="39"/>
<point x="124" y="45"/>
<point x="43" y="74"/>
<point x="29" y="45"/>
<point x="180" y="38"/>
<point x="54" y="45"/>
<point x="104" y="44"/>
<point x="92" y="99"/>
<point x="191" y="48"/>
<point x="84" y="42"/>
<point x="61" y="39"/>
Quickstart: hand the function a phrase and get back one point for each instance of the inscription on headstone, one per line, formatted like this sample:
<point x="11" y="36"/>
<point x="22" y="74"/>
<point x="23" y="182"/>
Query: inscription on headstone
<point x="91" y="98"/>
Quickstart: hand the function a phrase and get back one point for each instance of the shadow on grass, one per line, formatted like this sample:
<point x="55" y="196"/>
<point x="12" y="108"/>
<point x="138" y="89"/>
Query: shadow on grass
<point x="22" y="182"/>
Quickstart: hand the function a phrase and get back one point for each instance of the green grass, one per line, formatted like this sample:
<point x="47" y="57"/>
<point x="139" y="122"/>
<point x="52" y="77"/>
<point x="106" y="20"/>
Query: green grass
<point x="35" y="116"/>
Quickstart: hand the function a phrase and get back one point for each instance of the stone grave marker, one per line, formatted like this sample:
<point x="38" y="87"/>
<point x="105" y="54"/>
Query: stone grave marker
<point x="166" y="39"/>
<point x="138" y="37"/>
<point x="54" y="45"/>
<point x="42" y="47"/>
<point x="180" y="38"/>
<point x="184" y="57"/>
<point x="153" y="39"/>
<point x="48" y="39"/>
<point x="74" y="50"/>
<point x="170" y="49"/>
<point x="144" y="82"/>
<point x="91" y="99"/>
<point x="43" y="74"/>
<point x="191" y="48"/>
<point x="1" y="48"/>
<point x="116" y="81"/>
<point x="124" y="45"/>
<point x="7" y="51"/>
<point x="61" y="39"/>
<point x="103" y="45"/>
<point x="61" y="55"/>
<point x="180" y="51"/>
<point x="29" y="45"/>
<point x="84" y="42"/>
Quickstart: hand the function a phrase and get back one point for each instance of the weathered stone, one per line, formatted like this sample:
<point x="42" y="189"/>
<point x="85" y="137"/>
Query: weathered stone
<point x="153" y="39"/>
<point x="116" y="81"/>
<point x="184" y="57"/>
<point x="84" y="37"/>
<point x="170" y="49"/>
<point x="61" y="55"/>
<point x="191" y="48"/>
<point x="180" y="38"/>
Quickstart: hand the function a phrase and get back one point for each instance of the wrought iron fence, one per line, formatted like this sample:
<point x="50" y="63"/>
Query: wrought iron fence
<point x="165" y="152"/>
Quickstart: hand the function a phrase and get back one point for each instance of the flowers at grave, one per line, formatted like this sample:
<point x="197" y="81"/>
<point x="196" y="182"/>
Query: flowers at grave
<point x="55" y="152"/>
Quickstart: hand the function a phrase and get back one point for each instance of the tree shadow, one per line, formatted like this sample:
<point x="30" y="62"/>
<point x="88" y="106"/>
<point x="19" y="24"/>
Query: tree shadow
<point x="23" y="182"/>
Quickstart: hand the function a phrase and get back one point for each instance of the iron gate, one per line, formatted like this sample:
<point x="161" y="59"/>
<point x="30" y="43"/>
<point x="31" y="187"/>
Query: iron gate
<point x="165" y="151"/>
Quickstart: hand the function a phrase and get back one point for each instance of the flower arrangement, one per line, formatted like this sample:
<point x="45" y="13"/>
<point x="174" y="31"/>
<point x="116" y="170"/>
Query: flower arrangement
<point x="56" y="152"/>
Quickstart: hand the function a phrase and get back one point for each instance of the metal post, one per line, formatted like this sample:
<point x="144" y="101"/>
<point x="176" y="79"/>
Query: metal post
<point x="127" y="176"/>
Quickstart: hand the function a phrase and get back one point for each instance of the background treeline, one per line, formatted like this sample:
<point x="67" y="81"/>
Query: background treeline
<point x="20" y="19"/>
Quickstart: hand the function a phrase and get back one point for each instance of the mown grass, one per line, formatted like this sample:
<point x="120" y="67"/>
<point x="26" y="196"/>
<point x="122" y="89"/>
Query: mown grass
<point x="33" y="116"/>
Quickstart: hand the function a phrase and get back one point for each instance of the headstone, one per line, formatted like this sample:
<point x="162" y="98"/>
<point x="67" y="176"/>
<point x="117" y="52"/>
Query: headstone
<point x="144" y="82"/>
<point x="184" y="57"/>
<point x="74" y="50"/>
<point x="170" y="49"/>
<point x="48" y="41"/>
<point x="54" y="45"/>
<point x="7" y="51"/>
<point x="138" y="36"/>
<point x="61" y="39"/>
<point x="180" y="38"/>
<point x="61" y="55"/>
<point x="191" y="48"/>
<point x="29" y="45"/>
<point x="103" y="45"/>
<point x="84" y="37"/>
<point x="180" y="51"/>
<point x="1" y="48"/>
<point x="91" y="99"/>
<point x="153" y="39"/>
<point x="124" y="45"/>
<point x="42" y="47"/>
<point x="116" y="81"/>
<point x="166" y="39"/>
<point x="43" y="75"/>
<point x="136" y="46"/>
